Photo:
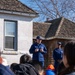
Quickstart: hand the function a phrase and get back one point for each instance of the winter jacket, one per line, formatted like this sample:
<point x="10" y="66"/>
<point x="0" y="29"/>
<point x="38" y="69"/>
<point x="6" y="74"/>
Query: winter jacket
<point x="25" y="69"/>
<point x="38" y="56"/>
<point x="5" y="70"/>
<point x="57" y="55"/>
<point x="50" y="72"/>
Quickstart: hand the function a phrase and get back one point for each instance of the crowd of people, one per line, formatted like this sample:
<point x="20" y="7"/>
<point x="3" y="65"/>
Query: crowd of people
<point x="64" y="61"/>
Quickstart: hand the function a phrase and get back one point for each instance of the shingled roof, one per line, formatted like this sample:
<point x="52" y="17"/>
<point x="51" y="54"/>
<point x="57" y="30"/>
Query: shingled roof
<point x="15" y="6"/>
<point x="40" y="29"/>
<point x="53" y="28"/>
<point x="59" y="28"/>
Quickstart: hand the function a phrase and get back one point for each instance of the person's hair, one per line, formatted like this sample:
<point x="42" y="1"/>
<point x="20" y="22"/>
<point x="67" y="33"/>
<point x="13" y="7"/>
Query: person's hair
<point x="38" y="66"/>
<point x="69" y="52"/>
<point x="61" y="68"/>
<point x="12" y="66"/>
<point x="25" y="59"/>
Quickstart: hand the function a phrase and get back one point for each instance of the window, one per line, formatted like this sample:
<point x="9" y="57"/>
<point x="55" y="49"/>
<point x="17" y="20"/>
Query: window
<point x="10" y="35"/>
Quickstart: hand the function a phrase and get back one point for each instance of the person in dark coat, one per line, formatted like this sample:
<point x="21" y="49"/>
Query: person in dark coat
<point x="38" y="67"/>
<point x="69" y="59"/>
<point x="61" y="68"/>
<point x="38" y="50"/>
<point x="25" y="67"/>
<point x="5" y="70"/>
<point x="57" y="56"/>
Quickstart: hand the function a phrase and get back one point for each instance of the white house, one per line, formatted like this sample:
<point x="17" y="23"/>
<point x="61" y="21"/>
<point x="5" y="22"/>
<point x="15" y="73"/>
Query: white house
<point x="16" y="29"/>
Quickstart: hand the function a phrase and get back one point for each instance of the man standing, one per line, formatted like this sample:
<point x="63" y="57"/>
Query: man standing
<point x="38" y="50"/>
<point x="57" y="55"/>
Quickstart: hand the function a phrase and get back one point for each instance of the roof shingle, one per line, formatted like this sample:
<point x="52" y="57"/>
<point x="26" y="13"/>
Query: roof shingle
<point x="15" y="6"/>
<point x="58" y="28"/>
<point x="67" y="29"/>
<point x="40" y="29"/>
<point x="53" y="28"/>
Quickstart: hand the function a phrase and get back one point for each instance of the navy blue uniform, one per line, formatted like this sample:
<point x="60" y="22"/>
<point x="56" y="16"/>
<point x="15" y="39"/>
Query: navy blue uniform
<point x="57" y="55"/>
<point x="38" y="56"/>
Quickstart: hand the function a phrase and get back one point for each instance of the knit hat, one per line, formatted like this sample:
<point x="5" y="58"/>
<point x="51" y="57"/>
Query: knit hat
<point x="50" y="67"/>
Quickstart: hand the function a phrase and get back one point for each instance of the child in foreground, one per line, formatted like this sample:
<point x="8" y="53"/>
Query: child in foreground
<point x="50" y="70"/>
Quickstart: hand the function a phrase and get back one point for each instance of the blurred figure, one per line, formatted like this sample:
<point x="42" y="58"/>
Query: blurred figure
<point x="25" y="67"/>
<point x="57" y="55"/>
<point x="50" y="70"/>
<point x="1" y="57"/>
<point x="4" y="62"/>
<point x="38" y="50"/>
<point x="4" y="68"/>
<point x="1" y="60"/>
<point x="12" y="66"/>
<point x="61" y="68"/>
<point x="38" y="67"/>
<point x="25" y="59"/>
<point x="5" y="71"/>
<point x="69" y="59"/>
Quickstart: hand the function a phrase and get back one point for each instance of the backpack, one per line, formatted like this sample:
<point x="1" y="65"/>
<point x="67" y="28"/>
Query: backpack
<point x="25" y="69"/>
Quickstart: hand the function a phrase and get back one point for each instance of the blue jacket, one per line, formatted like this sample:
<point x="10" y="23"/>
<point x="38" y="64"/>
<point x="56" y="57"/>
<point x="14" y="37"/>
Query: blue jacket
<point x="5" y="70"/>
<point x="57" y="55"/>
<point x="50" y="72"/>
<point x="38" y="56"/>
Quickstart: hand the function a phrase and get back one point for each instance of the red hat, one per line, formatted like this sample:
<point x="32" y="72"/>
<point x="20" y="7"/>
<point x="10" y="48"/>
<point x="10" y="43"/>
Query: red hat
<point x="51" y="67"/>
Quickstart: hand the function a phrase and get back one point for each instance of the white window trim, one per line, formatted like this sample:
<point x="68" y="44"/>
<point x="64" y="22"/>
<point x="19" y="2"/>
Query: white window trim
<point x="8" y="49"/>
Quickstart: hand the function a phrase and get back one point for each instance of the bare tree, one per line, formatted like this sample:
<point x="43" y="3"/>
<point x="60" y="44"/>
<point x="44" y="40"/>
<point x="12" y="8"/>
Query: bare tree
<point x="54" y="8"/>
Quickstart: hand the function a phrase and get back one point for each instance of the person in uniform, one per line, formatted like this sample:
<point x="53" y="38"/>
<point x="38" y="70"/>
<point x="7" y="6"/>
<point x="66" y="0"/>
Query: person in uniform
<point x="38" y="50"/>
<point x="57" y="55"/>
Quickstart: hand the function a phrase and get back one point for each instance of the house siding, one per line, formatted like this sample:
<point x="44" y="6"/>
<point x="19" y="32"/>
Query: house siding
<point x="24" y="35"/>
<point x="1" y="33"/>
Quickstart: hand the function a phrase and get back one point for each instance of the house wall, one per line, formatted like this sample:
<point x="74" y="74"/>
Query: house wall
<point x="25" y="30"/>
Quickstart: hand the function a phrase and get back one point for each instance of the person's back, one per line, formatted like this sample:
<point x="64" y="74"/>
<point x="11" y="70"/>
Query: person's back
<point x="12" y="66"/>
<point x="25" y="69"/>
<point x="5" y="70"/>
<point x="61" y="67"/>
<point x="38" y="67"/>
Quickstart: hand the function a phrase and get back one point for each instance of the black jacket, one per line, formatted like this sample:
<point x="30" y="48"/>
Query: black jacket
<point x="25" y="69"/>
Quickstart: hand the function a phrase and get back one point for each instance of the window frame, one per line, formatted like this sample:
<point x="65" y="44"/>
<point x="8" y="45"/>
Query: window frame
<point x="16" y="39"/>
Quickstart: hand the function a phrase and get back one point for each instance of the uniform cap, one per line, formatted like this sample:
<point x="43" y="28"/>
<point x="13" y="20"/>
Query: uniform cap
<point x="39" y="37"/>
